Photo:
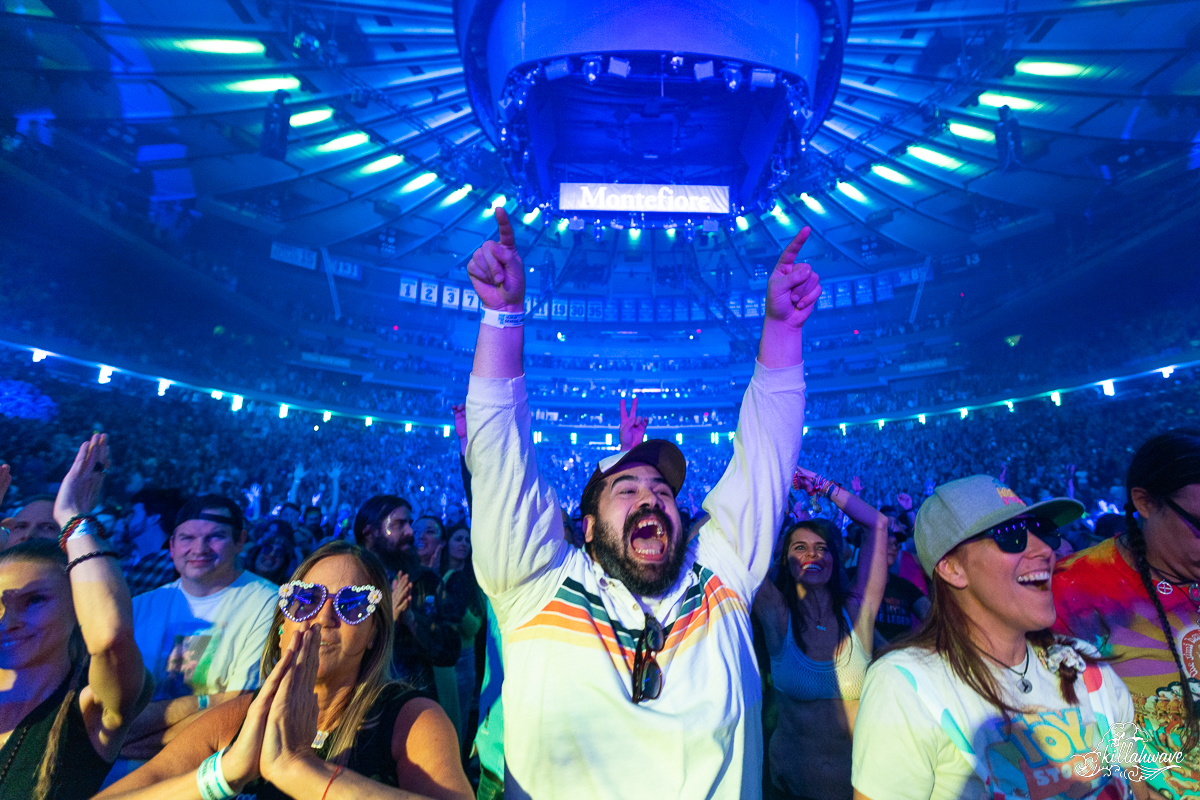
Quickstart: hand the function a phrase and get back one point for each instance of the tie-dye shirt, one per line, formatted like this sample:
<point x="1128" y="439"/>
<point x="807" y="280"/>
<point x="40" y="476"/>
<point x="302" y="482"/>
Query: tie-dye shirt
<point x="1101" y="599"/>
<point x="923" y="734"/>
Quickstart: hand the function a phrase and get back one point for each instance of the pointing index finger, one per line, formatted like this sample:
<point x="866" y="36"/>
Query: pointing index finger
<point x="506" y="232"/>
<point x="793" y="248"/>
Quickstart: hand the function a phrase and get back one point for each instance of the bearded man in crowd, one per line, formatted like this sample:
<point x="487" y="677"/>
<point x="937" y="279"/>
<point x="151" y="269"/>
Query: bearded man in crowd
<point x="629" y="665"/>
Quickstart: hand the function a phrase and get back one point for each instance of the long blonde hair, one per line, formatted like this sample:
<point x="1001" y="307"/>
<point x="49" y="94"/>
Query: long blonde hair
<point x="375" y="673"/>
<point x="46" y="551"/>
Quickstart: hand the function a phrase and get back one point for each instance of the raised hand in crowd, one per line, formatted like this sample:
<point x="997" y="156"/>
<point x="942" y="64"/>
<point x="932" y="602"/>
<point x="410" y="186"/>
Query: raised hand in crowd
<point x="253" y="497"/>
<point x="904" y="501"/>
<point x="460" y="425"/>
<point x="498" y="276"/>
<point x="401" y="596"/>
<point x="633" y="427"/>
<point x="792" y="292"/>
<point x="497" y="272"/>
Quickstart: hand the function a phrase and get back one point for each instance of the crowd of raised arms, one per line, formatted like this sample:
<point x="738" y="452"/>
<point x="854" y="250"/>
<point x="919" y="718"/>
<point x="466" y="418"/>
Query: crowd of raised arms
<point x="216" y="605"/>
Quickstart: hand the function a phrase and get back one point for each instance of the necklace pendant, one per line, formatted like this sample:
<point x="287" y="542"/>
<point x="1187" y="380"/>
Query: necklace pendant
<point x="1164" y="588"/>
<point x="1025" y="686"/>
<point x="822" y="628"/>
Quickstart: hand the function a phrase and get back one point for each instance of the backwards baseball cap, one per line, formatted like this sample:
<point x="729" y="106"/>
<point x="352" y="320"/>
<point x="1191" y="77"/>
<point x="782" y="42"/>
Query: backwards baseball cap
<point x="960" y="509"/>
<point x="658" y="453"/>
<point x="205" y="507"/>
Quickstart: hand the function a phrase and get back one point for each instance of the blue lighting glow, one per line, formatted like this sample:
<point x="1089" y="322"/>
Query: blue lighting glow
<point x="419" y="182"/>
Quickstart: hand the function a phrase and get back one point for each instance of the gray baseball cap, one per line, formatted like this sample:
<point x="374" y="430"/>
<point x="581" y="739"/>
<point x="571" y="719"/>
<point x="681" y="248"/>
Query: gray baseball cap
<point x="960" y="509"/>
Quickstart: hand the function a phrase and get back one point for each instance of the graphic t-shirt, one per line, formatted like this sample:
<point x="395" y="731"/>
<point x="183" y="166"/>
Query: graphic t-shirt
<point x="923" y="734"/>
<point x="1101" y="599"/>
<point x="204" y="645"/>
<point x="896" y="614"/>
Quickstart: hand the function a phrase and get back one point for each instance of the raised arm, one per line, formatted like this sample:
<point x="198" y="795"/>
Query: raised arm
<point x="871" y="579"/>
<point x="517" y="531"/>
<point x="116" y="675"/>
<point x="748" y="503"/>
<point x="792" y="292"/>
<point x="498" y="276"/>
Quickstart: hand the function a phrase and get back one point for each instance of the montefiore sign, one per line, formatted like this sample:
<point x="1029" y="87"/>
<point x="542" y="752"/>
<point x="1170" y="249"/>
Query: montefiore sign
<point x="643" y="197"/>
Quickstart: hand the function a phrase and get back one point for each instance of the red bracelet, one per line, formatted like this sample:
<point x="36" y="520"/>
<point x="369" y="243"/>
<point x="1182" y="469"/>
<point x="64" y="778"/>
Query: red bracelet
<point x="333" y="778"/>
<point x="69" y="528"/>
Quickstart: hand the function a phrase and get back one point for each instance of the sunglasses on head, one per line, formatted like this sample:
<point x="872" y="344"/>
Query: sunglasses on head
<point x="647" y="675"/>
<point x="1012" y="536"/>
<point x="302" y="601"/>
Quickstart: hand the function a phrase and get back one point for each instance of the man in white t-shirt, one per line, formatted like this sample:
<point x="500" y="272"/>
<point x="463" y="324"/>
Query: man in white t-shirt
<point x="201" y="636"/>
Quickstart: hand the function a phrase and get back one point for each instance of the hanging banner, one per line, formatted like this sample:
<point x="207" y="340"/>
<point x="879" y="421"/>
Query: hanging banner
<point x="450" y="295"/>
<point x="291" y="254"/>
<point x="643" y="197"/>
<point x="408" y="288"/>
<point x="843" y="296"/>
<point x="862" y="291"/>
<point x="429" y="293"/>
<point x="883" y="287"/>
<point x="344" y="268"/>
<point x="825" y="301"/>
<point x="470" y="300"/>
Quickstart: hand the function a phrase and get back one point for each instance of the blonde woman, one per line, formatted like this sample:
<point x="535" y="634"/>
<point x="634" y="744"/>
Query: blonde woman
<point x="329" y="721"/>
<point x="72" y="674"/>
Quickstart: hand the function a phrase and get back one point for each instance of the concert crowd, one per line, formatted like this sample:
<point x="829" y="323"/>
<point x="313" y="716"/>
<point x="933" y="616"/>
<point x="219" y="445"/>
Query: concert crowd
<point x="205" y="604"/>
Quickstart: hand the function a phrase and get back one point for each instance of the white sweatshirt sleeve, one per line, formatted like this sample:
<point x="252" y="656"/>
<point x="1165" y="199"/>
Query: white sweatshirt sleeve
<point x="517" y="531"/>
<point x="748" y="503"/>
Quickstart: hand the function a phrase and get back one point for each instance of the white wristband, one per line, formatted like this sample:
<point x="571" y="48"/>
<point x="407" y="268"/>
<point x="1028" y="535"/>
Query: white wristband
<point x="501" y="319"/>
<point x="210" y="779"/>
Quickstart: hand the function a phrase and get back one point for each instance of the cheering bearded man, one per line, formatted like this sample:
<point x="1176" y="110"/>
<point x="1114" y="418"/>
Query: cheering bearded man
<point x="629" y="667"/>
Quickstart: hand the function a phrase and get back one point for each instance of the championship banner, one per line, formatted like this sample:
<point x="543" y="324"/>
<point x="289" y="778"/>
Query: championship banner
<point x="643" y="197"/>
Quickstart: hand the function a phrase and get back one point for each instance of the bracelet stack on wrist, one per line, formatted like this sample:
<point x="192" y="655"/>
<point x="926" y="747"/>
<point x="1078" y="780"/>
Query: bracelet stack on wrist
<point x="210" y="778"/>
<point x="80" y="525"/>
<point x="821" y="487"/>
<point x="87" y="556"/>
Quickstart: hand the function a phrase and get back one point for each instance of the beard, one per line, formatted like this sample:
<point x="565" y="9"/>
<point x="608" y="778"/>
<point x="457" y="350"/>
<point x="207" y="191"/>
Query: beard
<point x="613" y="552"/>
<point x="396" y="557"/>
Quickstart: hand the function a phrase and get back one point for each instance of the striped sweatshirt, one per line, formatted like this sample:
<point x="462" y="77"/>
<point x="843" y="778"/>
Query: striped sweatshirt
<point x="569" y="631"/>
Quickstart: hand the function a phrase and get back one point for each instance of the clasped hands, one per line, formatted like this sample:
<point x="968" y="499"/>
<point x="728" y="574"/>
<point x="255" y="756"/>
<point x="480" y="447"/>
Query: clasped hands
<point x="282" y="721"/>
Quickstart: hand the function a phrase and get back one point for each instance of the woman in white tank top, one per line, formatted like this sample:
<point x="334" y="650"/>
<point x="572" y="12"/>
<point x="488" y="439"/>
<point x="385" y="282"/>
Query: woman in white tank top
<point x="819" y="635"/>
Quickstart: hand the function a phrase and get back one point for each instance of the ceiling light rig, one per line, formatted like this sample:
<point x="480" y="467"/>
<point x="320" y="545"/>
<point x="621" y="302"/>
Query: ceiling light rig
<point x="644" y="123"/>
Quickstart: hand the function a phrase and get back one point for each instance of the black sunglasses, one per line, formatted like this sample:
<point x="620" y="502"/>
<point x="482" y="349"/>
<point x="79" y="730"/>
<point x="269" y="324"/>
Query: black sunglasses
<point x="1188" y="517"/>
<point x="1012" y="536"/>
<point x="647" y="675"/>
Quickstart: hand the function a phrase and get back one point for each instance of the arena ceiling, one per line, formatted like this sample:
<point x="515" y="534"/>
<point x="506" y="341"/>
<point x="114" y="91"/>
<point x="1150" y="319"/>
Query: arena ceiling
<point x="386" y="163"/>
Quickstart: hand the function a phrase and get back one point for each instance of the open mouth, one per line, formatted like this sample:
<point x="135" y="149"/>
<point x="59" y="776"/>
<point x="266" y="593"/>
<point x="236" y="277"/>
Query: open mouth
<point x="1039" y="580"/>
<point x="813" y="567"/>
<point x="649" y="540"/>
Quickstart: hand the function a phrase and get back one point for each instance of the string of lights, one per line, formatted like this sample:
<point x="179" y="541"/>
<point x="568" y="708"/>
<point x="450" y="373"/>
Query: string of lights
<point x="286" y="406"/>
